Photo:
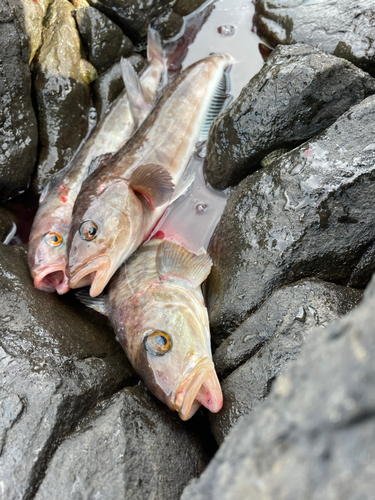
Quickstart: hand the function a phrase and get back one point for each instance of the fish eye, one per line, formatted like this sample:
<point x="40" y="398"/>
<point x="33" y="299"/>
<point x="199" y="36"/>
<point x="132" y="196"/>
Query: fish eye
<point x="88" y="230"/>
<point x="158" y="343"/>
<point x="53" y="239"/>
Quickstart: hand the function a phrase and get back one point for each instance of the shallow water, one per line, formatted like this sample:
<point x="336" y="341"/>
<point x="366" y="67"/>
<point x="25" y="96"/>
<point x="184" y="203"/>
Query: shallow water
<point x="192" y="218"/>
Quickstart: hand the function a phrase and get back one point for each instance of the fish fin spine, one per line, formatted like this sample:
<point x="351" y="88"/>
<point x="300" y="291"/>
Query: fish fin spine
<point x="98" y="303"/>
<point x="175" y="261"/>
<point x="154" y="182"/>
<point x="219" y="102"/>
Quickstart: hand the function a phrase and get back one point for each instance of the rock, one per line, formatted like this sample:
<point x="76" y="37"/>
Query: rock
<point x="298" y="93"/>
<point x="7" y="225"/>
<point x="272" y="337"/>
<point x="314" y="435"/>
<point x="18" y="125"/>
<point x="62" y="93"/>
<point x="168" y="24"/>
<point x="364" y="269"/>
<point x="307" y="214"/>
<point x="103" y="41"/>
<point x="129" y="446"/>
<point x="343" y="28"/>
<point x="57" y="359"/>
<point x="33" y="13"/>
<point x="110" y="84"/>
<point x="185" y="7"/>
<point x="131" y="15"/>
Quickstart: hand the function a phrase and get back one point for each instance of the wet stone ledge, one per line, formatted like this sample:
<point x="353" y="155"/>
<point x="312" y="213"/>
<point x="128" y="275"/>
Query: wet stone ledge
<point x="307" y="214"/>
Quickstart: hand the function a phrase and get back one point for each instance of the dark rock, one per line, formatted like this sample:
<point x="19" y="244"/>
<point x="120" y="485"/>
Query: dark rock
<point x="130" y="446"/>
<point x="307" y="214"/>
<point x="364" y="269"/>
<point x="272" y="337"/>
<point x="63" y="96"/>
<point x="298" y="93"/>
<point x="57" y="359"/>
<point x="168" y="24"/>
<point x="18" y="125"/>
<point x="110" y="84"/>
<point x="185" y="7"/>
<point x="314" y="435"/>
<point x="131" y="15"/>
<point x="7" y="225"/>
<point x="103" y="41"/>
<point x="343" y="28"/>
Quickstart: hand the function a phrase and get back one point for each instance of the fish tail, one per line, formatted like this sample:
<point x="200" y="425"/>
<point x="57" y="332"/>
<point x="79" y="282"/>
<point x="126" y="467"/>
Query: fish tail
<point x="154" y="46"/>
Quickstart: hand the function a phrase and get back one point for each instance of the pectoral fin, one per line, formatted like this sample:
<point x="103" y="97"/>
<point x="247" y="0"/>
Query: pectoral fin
<point x="97" y="303"/>
<point x="174" y="261"/>
<point x="154" y="182"/>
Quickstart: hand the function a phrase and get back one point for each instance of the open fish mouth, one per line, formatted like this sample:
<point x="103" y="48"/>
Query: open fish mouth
<point x="93" y="274"/>
<point x="200" y="387"/>
<point x="52" y="279"/>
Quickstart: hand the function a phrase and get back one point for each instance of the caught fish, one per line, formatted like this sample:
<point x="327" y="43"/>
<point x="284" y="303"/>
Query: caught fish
<point x="123" y="199"/>
<point x="47" y="254"/>
<point x="156" y="307"/>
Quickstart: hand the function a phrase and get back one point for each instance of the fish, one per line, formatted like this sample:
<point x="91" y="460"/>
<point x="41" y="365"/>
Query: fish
<point x="47" y="254"/>
<point x="122" y="200"/>
<point x="156" y="307"/>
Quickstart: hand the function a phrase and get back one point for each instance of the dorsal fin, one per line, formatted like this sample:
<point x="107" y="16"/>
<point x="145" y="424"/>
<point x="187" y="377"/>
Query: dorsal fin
<point x="97" y="303"/>
<point x="175" y="261"/>
<point x="219" y="101"/>
<point x="154" y="182"/>
<point x="139" y="105"/>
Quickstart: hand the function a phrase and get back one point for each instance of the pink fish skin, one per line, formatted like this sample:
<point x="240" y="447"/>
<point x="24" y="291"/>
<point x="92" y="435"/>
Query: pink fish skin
<point x="47" y="258"/>
<point x="122" y="200"/>
<point x="156" y="307"/>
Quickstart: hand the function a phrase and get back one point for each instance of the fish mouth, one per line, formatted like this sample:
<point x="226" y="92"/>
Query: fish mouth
<point x="52" y="279"/>
<point x="94" y="274"/>
<point x="200" y="387"/>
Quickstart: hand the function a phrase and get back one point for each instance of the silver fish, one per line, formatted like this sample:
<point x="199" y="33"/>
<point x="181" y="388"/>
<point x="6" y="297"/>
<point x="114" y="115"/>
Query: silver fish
<point x="122" y="200"/>
<point x="156" y="307"/>
<point x="47" y="255"/>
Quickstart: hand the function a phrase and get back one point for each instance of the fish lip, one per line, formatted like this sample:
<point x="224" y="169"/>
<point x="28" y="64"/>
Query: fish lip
<point x="41" y="274"/>
<point x="191" y="386"/>
<point x="97" y="266"/>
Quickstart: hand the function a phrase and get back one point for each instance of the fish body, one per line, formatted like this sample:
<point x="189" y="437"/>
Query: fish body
<point x="156" y="307"/>
<point x="47" y="253"/>
<point x="122" y="200"/>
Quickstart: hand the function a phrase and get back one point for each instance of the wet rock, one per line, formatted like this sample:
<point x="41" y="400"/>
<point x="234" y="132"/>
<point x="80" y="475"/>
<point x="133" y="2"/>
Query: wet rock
<point x="364" y="269"/>
<point x="185" y="7"/>
<point x="307" y="214"/>
<point x="129" y="446"/>
<point x="314" y="435"/>
<point x="298" y="93"/>
<point x="103" y="41"/>
<point x="343" y="28"/>
<point x="18" y="126"/>
<point x="57" y="359"/>
<point x="132" y="16"/>
<point x="33" y="13"/>
<point x="62" y="93"/>
<point x="272" y="337"/>
<point x="110" y="84"/>
<point x="168" y="24"/>
<point x="7" y="225"/>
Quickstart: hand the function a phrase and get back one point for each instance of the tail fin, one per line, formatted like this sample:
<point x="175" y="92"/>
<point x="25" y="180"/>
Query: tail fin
<point x="139" y="105"/>
<point x="155" y="51"/>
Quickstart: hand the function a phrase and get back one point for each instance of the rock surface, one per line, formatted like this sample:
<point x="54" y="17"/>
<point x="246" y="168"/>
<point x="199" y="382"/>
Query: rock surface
<point x="62" y="92"/>
<point x="314" y="435"/>
<point x="298" y="93"/>
<point x="103" y="41"/>
<point x="129" y="446"/>
<point x="18" y="125"/>
<point x="307" y="214"/>
<point x="54" y="365"/>
<point x="272" y="337"/>
<point x="341" y="27"/>
<point x="7" y="225"/>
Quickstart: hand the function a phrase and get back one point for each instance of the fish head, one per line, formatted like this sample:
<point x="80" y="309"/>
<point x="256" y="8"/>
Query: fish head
<point x="47" y="252"/>
<point x="102" y="235"/>
<point x="167" y="340"/>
